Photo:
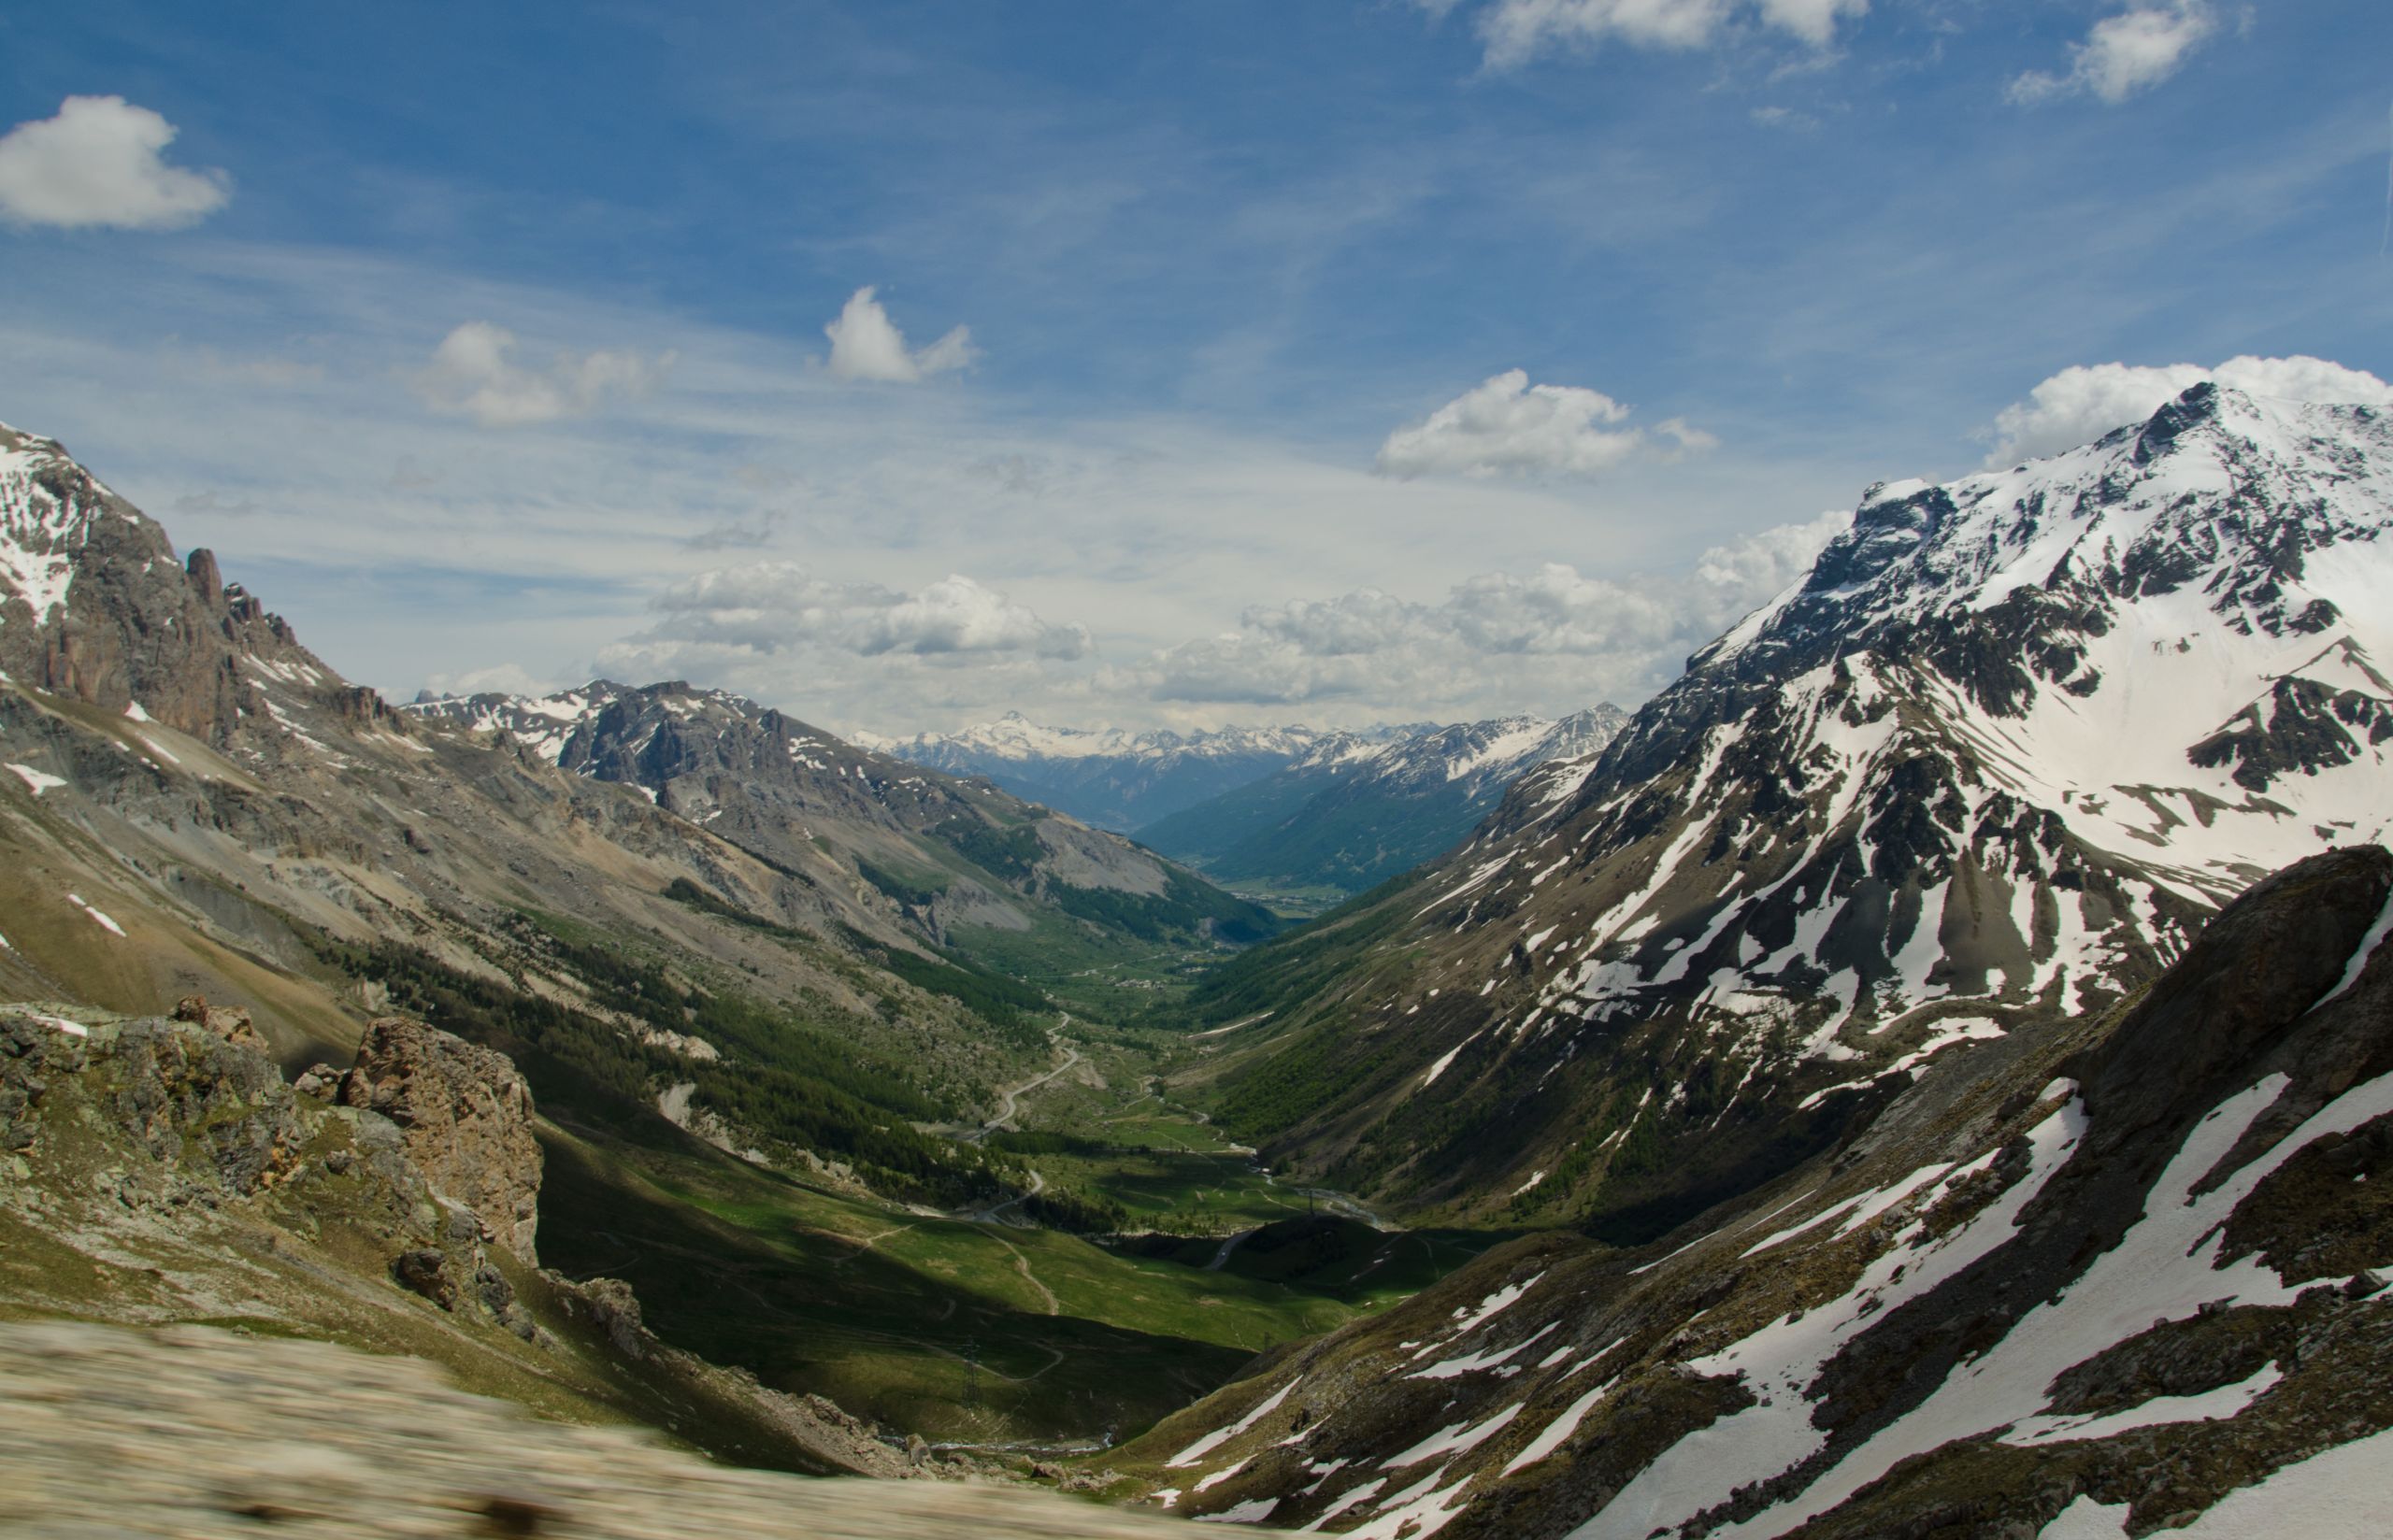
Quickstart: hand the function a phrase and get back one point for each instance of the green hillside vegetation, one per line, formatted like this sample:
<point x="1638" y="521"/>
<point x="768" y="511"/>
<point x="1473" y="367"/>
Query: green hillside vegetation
<point x="1205" y="834"/>
<point x="1091" y="1314"/>
<point x="886" y="1309"/>
<point x="1184" y="908"/>
<point x="782" y="1079"/>
<point x="1309" y="828"/>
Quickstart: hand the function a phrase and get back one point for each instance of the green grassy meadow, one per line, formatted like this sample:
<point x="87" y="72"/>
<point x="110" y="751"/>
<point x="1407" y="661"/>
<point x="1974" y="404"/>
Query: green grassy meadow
<point x="885" y="1308"/>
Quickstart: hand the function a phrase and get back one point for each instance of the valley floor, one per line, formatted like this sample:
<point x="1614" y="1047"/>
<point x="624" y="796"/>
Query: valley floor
<point x="983" y="1329"/>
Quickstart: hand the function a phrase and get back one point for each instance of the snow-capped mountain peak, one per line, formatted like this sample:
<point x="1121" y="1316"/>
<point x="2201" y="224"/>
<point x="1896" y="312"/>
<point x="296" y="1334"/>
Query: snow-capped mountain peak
<point x="1991" y="761"/>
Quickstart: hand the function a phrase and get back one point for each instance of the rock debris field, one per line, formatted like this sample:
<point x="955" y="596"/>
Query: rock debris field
<point x="198" y="1432"/>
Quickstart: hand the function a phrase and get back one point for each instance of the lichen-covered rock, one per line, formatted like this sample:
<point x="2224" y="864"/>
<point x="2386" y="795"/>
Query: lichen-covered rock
<point x="614" y="1307"/>
<point x="230" y="1022"/>
<point x="465" y="1115"/>
<point x="181" y="1092"/>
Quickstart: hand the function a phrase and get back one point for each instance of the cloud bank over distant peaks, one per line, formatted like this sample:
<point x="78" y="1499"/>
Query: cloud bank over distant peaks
<point x="2124" y="54"/>
<point x="2083" y="403"/>
<point x="779" y="607"/>
<point x="1508" y="427"/>
<point x="473" y="374"/>
<point x="865" y="344"/>
<point x="1554" y="634"/>
<point x="99" y="161"/>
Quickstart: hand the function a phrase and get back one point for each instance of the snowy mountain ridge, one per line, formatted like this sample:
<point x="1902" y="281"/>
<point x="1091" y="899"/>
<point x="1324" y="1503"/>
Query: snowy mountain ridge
<point x="41" y="521"/>
<point x="1118" y="779"/>
<point x="1479" y="754"/>
<point x="1989" y="763"/>
<point x="1014" y="736"/>
<point x="2119" y="1277"/>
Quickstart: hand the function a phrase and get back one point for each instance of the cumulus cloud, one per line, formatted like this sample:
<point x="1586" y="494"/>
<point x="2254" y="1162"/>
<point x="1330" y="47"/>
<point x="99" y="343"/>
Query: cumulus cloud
<point x="2083" y="403"/>
<point x="473" y="373"/>
<point x="2132" y="51"/>
<point x="507" y="679"/>
<point x="780" y="607"/>
<point x="1516" y="30"/>
<point x="866" y="345"/>
<point x="99" y="162"/>
<point x="1509" y="427"/>
<point x="1554" y="634"/>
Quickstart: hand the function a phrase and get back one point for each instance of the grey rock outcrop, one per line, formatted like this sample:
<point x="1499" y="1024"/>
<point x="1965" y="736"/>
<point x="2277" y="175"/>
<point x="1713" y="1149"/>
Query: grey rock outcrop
<point x="467" y="1116"/>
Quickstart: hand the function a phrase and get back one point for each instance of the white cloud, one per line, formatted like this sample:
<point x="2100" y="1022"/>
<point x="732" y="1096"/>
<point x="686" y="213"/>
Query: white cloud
<point x="1509" y="427"/>
<point x="99" y="163"/>
<point x="1517" y="31"/>
<point x="497" y="678"/>
<point x="472" y="373"/>
<point x="1554" y="634"/>
<point x="2083" y="403"/>
<point x="1812" y="21"/>
<point x="866" y="345"/>
<point x="779" y="607"/>
<point x="2124" y="53"/>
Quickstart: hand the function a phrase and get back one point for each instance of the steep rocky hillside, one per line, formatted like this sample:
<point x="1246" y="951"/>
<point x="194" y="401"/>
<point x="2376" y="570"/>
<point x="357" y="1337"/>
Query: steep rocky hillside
<point x="759" y="1077"/>
<point x="1353" y="812"/>
<point x="194" y="802"/>
<point x="2095" y="1278"/>
<point x="161" y="1172"/>
<point x="1988" y="765"/>
<point x="950" y="856"/>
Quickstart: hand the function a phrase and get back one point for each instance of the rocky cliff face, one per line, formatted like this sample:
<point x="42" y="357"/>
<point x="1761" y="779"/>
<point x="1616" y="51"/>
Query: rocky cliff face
<point x="465" y="1115"/>
<point x="94" y="606"/>
<point x="1991" y="763"/>
<point x="2111" y="1274"/>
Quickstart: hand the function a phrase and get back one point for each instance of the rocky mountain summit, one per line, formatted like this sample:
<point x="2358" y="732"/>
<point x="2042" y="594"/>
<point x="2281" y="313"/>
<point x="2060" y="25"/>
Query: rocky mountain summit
<point x="1353" y="811"/>
<point x="2106" y="1275"/>
<point x="943" y="855"/>
<point x="1991" y="763"/>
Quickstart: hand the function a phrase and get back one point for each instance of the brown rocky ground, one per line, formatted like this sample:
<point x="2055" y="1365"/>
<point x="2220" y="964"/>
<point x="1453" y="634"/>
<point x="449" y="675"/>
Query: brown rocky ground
<point x="198" y="1432"/>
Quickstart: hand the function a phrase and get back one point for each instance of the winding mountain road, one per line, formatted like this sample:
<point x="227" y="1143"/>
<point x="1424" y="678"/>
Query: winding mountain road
<point x="1009" y="1098"/>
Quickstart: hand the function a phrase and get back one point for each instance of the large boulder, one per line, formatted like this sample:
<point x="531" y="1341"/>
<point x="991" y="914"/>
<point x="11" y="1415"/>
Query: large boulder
<point x="467" y="1116"/>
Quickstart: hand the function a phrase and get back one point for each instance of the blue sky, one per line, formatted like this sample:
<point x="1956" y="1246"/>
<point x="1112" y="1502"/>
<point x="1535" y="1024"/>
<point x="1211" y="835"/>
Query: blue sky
<point x="491" y="347"/>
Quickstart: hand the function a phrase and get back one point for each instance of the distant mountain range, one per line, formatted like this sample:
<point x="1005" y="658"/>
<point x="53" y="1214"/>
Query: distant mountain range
<point x="1989" y="764"/>
<point x="1115" y="780"/>
<point x="1353" y="812"/>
